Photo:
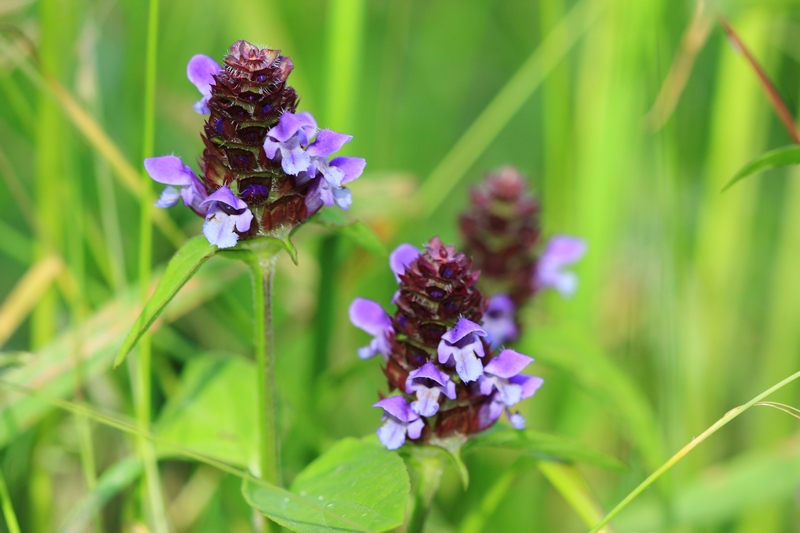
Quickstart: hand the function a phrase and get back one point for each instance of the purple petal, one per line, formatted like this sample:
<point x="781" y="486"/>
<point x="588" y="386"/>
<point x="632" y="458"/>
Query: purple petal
<point x="429" y="371"/>
<point x="225" y="196"/>
<point x="463" y="328"/>
<point x="169" y="170"/>
<point x="468" y="366"/>
<point x="369" y="316"/>
<point x="398" y="407"/>
<point x="517" y="420"/>
<point x="294" y="160"/>
<point x="288" y="126"/>
<point x="450" y="390"/>
<point x="243" y="220"/>
<point x="201" y="71"/>
<point x="328" y="143"/>
<point x="427" y="403"/>
<point x="401" y="258"/>
<point x="509" y="363"/>
<point x="499" y="322"/>
<point x="169" y="197"/>
<point x="415" y="428"/>
<point x="332" y="175"/>
<point x="353" y="167"/>
<point x="529" y="384"/>
<point x="561" y="251"/>
<point x="392" y="433"/>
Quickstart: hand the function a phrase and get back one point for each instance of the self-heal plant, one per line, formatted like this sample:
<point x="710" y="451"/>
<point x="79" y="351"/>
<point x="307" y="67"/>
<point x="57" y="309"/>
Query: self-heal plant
<point x="449" y="381"/>
<point x="501" y="233"/>
<point x="264" y="168"/>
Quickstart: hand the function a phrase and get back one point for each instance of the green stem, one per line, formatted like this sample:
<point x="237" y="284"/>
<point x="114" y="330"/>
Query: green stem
<point x="263" y="269"/>
<point x="730" y="415"/>
<point x="429" y="462"/>
<point x="8" y="509"/>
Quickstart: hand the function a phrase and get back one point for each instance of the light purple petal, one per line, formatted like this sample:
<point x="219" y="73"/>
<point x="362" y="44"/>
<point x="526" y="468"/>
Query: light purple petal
<point x="218" y="229"/>
<point x="353" y="167"/>
<point x="401" y="258"/>
<point x="463" y="328"/>
<point x="201" y="71"/>
<point x="499" y="322"/>
<point x="529" y="384"/>
<point x="450" y="390"/>
<point x="508" y="363"/>
<point x="398" y="407"/>
<point x="328" y="143"/>
<point x="561" y="251"/>
<point x="332" y="175"/>
<point x="415" y="428"/>
<point x="294" y="160"/>
<point x="392" y="433"/>
<point x="343" y="198"/>
<point x="243" y="220"/>
<point x="369" y="316"/>
<point x="429" y="371"/>
<point x="427" y="403"/>
<point x="169" y="197"/>
<point x="468" y="366"/>
<point x="169" y="170"/>
<point x="517" y="420"/>
<point x="486" y="384"/>
<point x="225" y="196"/>
<point x="288" y="126"/>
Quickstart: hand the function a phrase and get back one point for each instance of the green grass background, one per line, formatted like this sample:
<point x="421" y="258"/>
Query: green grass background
<point x="689" y="302"/>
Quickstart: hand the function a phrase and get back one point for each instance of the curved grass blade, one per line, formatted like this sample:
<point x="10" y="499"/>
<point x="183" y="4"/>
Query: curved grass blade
<point x="180" y="269"/>
<point x="782" y="157"/>
<point x="357" y="479"/>
<point x="730" y="415"/>
<point x="542" y="446"/>
<point x="114" y="480"/>
<point x="325" y="512"/>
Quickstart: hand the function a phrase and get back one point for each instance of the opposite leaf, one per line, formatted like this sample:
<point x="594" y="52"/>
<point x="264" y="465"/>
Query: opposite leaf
<point x="360" y="485"/>
<point x="180" y="269"/>
<point x="788" y="155"/>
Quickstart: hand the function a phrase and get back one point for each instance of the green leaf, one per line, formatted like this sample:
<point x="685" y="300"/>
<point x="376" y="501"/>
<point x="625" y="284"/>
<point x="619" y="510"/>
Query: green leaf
<point x="363" y="485"/>
<point x="358" y="232"/>
<point x="543" y="446"/>
<point x="114" y="480"/>
<point x="180" y="269"/>
<point x="206" y="418"/>
<point x="453" y="446"/>
<point x="262" y="247"/>
<point x="788" y="155"/>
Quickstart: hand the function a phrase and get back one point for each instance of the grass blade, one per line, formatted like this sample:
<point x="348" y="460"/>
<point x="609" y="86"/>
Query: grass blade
<point x="788" y="155"/>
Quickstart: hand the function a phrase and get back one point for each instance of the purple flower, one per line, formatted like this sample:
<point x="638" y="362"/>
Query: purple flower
<point x="322" y="193"/>
<point x="502" y="380"/>
<point x="370" y="317"/>
<point x="399" y="420"/>
<point x="429" y="383"/>
<point x="463" y="345"/>
<point x="227" y="214"/>
<point x="499" y="321"/>
<point x="170" y="170"/>
<point x="561" y="251"/>
<point x="201" y="71"/>
<point x="288" y="141"/>
<point x="401" y="258"/>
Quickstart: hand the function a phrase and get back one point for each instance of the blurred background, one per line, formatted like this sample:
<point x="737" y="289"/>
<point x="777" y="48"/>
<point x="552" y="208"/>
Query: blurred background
<point x="627" y="115"/>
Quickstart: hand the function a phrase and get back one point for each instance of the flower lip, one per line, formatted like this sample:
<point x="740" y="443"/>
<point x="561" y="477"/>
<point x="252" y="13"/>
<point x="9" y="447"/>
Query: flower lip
<point x="225" y="196"/>
<point x="428" y="372"/>
<point x="507" y="364"/>
<point x="462" y="329"/>
<point x="397" y="406"/>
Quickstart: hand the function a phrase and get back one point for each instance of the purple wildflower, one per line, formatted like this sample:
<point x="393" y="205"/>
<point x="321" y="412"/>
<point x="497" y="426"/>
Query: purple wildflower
<point x="561" y="251"/>
<point x="502" y="375"/>
<point x="462" y="345"/>
<point x="399" y="421"/>
<point x="429" y="383"/>
<point x="288" y="140"/>
<point x="171" y="171"/>
<point x="499" y="322"/>
<point x="370" y="317"/>
<point x="201" y="71"/>
<point x="401" y="257"/>
<point x="227" y="214"/>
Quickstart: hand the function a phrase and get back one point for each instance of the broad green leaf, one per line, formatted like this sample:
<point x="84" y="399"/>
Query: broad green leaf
<point x="788" y="155"/>
<point x="363" y="485"/>
<point x="358" y="232"/>
<point x="542" y="445"/>
<point x="207" y="416"/>
<point x="114" y="480"/>
<point x="180" y="269"/>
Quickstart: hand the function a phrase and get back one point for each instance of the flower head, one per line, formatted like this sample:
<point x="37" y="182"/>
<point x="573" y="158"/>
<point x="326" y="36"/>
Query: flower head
<point x="435" y="350"/>
<point x="265" y="155"/>
<point x="499" y="321"/>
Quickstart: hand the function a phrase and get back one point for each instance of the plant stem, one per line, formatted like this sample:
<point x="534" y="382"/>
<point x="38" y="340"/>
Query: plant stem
<point x="263" y="269"/>
<point x="8" y="509"/>
<point x="429" y="462"/>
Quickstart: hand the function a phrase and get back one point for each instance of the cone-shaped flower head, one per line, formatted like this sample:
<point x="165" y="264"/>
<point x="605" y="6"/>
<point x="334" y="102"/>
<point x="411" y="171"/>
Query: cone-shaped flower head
<point x="276" y="162"/>
<point x="437" y="354"/>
